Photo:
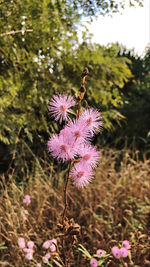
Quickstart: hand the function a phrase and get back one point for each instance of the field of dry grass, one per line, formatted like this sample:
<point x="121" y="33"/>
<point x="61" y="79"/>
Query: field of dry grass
<point x="114" y="207"/>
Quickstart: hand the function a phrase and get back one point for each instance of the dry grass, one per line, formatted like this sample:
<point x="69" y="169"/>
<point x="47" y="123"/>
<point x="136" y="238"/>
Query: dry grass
<point x="115" y="207"/>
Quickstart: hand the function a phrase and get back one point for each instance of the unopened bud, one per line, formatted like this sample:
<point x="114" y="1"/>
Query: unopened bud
<point x="85" y="72"/>
<point x="85" y="104"/>
<point x="82" y="89"/>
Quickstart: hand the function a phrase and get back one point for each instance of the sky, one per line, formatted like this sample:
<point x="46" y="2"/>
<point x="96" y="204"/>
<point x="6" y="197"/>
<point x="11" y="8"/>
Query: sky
<point x="131" y="28"/>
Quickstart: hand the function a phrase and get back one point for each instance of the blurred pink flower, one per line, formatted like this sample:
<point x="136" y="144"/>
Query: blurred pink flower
<point x="30" y="244"/>
<point x="116" y="252"/>
<point x="89" y="154"/>
<point x="126" y="244"/>
<point x="81" y="175"/>
<point x="46" y="244"/>
<point x="59" y="106"/>
<point x="123" y="252"/>
<point x="93" y="262"/>
<point x="53" y="245"/>
<point x="29" y="255"/>
<point x="46" y="257"/>
<point x="93" y="119"/>
<point x="27" y="199"/>
<point x="21" y="242"/>
<point x="100" y="252"/>
<point x="38" y="265"/>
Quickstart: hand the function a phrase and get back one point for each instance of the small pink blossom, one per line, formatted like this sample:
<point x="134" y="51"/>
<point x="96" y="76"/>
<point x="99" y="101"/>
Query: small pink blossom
<point x="53" y="245"/>
<point x="100" y="252"/>
<point x="79" y="130"/>
<point x="59" y="106"/>
<point x="38" y="265"/>
<point x="29" y="256"/>
<point x="81" y="175"/>
<point x="27" y="199"/>
<point x="89" y="154"/>
<point x="116" y="252"/>
<point x="123" y="252"/>
<point x="46" y="257"/>
<point x="46" y="244"/>
<point x="24" y="216"/>
<point x="126" y="244"/>
<point x="21" y="242"/>
<point x="93" y="262"/>
<point x="30" y="244"/>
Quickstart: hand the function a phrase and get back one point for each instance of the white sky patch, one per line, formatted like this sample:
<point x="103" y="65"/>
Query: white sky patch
<point x="131" y="28"/>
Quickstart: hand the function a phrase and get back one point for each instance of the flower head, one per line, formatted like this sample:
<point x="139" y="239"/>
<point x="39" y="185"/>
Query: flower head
<point x="93" y="262"/>
<point x="123" y="252"/>
<point x="21" y="242"/>
<point x="89" y="154"/>
<point x="93" y="119"/>
<point x="81" y="175"/>
<point x="30" y="244"/>
<point x="116" y="252"/>
<point x="79" y="130"/>
<point x="126" y="244"/>
<point x="60" y="105"/>
<point x="46" y="244"/>
<point x="27" y="199"/>
<point x="100" y="252"/>
<point x="46" y="257"/>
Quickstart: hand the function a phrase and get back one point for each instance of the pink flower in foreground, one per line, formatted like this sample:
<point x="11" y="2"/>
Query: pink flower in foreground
<point x="126" y="244"/>
<point x="93" y="119"/>
<point x="59" y="106"/>
<point x="123" y="252"/>
<point x="27" y="199"/>
<point x="100" y="252"/>
<point x="79" y="130"/>
<point x="30" y="244"/>
<point x="81" y="175"/>
<point x="116" y="252"/>
<point x="46" y="257"/>
<point x="93" y="263"/>
<point x="63" y="146"/>
<point x="21" y="242"/>
<point x="89" y="154"/>
<point x="46" y="244"/>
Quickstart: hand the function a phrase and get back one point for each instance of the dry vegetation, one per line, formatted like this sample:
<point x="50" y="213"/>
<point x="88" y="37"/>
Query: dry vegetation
<point x="115" y="207"/>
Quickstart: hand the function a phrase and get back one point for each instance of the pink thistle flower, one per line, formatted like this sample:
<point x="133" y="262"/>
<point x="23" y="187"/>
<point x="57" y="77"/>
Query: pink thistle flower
<point x="100" y="252"/>
<point x="46" y="257"/>
<point x="21" y="242"/>
<point x="63" y="146"/>
<point x="79" y="130"/>
<point x="27" y="199"/>
<point x="93" y="120"/>
<point x="116" y="252"/>
<point x="126" y="244"/>
<point x="89" y="154"/>
<point x="30" y="244"/>
<point x="93" y="262"/>
<point x="59" y="106"/>
<point x="81" y="175"/>
<point x="123" y="252"/>
<point x="46" y="244"/>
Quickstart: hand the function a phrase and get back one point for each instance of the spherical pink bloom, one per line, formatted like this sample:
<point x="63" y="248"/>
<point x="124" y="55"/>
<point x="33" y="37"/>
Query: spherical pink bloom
<point x="59" y="106"/>
<point x="30" y="244"/>
<point x="27" y="199"/>
<point x="126" y="244"/>
<point x="89" y="154"/>
<point x="81" y="175"/>
<point x="46" y="244"/>
<point x="116" y="252"/>
<point x="63" y="146"/>
<point x="93" y="262"/>
<point x="46" y="257"/>
<point x="93" y="119"/>
<point x="54" y="240"/>
<point x="53" y="245"/>
<point x="123" y="252"/>
<point x="29" y="256"/>
<point x="79" y="130"/>
<point x="28" y="250"/>
<point x="100" y="252"/>
<point x="21" y="242"/>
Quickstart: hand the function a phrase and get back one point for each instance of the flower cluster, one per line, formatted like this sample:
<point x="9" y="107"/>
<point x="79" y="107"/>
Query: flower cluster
<point x="28" y="250"/>
<point x="24" y="212"/>
<point x="93" y="261"/>
<point x="121" y="252"/>
<point x="73" y="141"/>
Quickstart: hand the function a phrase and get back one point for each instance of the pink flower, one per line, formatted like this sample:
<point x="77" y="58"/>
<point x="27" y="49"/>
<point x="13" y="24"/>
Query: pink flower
<point x="89" y="154"/>
<point x="46" y="257"/>
<point x="46" y="244"/>
<point x="93" y="119"/>
<point x="126" y="244"/>
<point x="29" y="255"/>
<point x="30" y="244"/>
<point x="79" y="130"/>
<point x="63" y="146"/>
<point x="81" y="175"/>
<point x="116" y="252"/>
<point x="53" y="245"/>
<point x="123" y="252"/>
<point x="59" y="106"/>
<point x="100" y="252"/>
<point x="24" y="216"/>
<point x="93" y="262"/>
<point x="21" y="242"/>
<point x="38" y="265"/>
<point x="27" y="199"/>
